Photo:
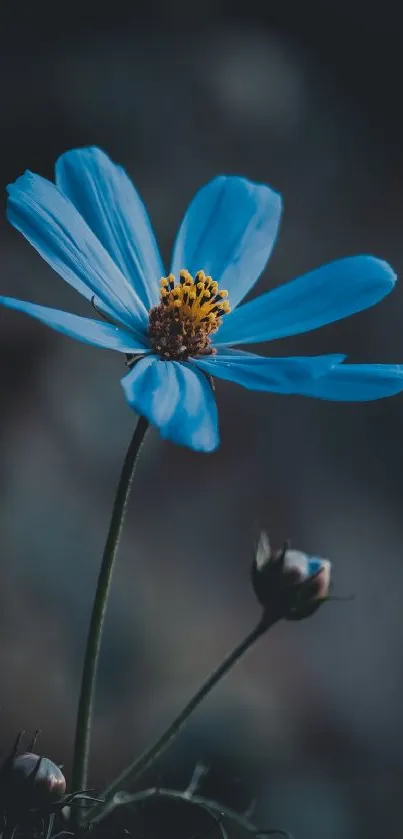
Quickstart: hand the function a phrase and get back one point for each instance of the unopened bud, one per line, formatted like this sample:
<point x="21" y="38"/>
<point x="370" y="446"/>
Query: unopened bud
<point x="36" y="779"/>
<point x="289" y="583"/>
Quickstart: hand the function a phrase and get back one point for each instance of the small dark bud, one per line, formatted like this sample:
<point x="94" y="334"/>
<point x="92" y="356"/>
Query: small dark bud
<point x="289" y="583"/>
<point x="36" y="779"/>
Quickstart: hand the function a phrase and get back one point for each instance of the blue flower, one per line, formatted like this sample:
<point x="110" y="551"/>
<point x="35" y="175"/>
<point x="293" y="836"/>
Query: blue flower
<point x="178" y="332"/>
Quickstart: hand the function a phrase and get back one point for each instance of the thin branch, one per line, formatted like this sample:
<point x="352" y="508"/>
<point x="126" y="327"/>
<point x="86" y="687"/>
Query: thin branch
<point x="199" y="770"/>
<point x="123" y="798"/>
<point x="248" y="813"/>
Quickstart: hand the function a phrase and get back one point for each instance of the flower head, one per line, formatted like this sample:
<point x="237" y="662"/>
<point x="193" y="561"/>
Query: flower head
<point x="190" y="311"/>
<point x="178" y="331"/>
<point x="289" y="583"/>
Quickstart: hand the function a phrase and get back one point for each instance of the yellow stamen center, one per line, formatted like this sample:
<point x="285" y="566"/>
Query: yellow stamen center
<point x="189" y="312"/>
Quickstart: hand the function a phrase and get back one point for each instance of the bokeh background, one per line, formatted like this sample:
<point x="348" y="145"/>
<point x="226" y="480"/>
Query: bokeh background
<point x="306" y="97"/>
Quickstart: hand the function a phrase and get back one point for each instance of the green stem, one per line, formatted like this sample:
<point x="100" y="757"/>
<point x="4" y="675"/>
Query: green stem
<point x="138" y="766"/>
<point x="86" y="701"/>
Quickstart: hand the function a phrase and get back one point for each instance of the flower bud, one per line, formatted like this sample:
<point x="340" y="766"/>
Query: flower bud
<point x="36" y="779"/>
<point x="289" y="583"/>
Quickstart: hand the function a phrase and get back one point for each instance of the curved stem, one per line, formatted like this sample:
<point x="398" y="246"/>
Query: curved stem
<point x="86" y="701"/>
<point x="208" y="804"/>
<point x="138" y="766"/>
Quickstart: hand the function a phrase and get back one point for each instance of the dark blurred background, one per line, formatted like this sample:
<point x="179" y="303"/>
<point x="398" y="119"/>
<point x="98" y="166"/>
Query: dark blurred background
<point x="306" y="97"/>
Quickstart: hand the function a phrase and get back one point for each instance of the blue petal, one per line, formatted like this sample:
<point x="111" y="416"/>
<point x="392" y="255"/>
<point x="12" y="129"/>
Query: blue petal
<point x="278" y="375"/>
<point x="177" y="399"/>
<point x="105" y="197"/>
<point x="84" y="329"/>
<point x="357" y="383"/>
<point x="228" y="231"/>
<point x="314" y="565"/>
<point x="323" y="296"/>
<point x="53" y="226"/>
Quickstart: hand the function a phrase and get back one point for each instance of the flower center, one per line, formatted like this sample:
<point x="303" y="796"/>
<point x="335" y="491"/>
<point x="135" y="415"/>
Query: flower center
<point x="189" y="312"/>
